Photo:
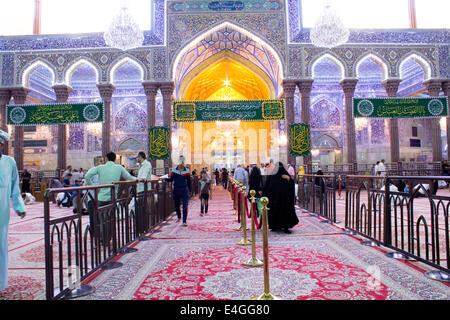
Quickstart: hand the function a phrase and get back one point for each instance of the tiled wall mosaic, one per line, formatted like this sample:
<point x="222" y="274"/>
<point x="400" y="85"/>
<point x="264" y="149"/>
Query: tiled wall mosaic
<point x="413" y="55"/>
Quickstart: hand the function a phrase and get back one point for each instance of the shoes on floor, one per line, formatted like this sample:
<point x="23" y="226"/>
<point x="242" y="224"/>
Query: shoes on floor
<point x="201" y="214"/>
<point x="178" y="220"/>
<point x="184" y="224"/>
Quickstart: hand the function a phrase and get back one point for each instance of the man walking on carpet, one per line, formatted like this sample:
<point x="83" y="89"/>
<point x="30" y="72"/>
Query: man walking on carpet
<point x="181" y="178"/>
<point x="9" y="189"/>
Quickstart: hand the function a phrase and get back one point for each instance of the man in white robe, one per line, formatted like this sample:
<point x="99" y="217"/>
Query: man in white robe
<point x="9" y="189"/>
<point x="144" y="172"/>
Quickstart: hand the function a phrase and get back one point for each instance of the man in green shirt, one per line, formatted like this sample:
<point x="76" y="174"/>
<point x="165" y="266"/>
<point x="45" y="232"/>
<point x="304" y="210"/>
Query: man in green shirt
<point x="107" y="174"/>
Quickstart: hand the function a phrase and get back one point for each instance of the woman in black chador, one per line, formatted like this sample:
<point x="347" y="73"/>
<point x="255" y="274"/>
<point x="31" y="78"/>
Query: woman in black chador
<point x="255" y="181"/>
<point x="280" y="190"/>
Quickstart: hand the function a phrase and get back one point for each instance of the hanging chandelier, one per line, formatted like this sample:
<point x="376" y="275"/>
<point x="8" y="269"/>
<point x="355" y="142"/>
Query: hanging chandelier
<point x="124" y="32"/>
<point x="329" y="31"/>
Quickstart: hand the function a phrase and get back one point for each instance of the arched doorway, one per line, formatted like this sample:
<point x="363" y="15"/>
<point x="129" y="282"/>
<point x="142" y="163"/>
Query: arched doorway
<point x="227" y="64"/>
<point x="127" y="152"/>
<point x="326" y="151"/>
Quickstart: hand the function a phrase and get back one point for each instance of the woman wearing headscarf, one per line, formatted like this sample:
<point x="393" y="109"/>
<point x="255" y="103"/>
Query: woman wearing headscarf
<point x="255" y="181"/>
<point x="280" y="190"/>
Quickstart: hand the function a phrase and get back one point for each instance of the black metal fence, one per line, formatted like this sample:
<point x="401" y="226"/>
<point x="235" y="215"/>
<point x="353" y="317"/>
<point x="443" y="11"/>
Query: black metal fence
<point x="99" y="229"/>
<point x="317" y="193"/>
<point x="397" y="169"/>
<point x="364" y="205"/>
<point x="402" y="213"/>
<point x="415" y="232"/>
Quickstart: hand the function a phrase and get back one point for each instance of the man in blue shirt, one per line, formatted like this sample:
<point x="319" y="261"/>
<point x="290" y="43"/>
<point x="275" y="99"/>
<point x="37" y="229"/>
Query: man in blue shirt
<point x="181" y="177"/>
<point x="241" y="175"/>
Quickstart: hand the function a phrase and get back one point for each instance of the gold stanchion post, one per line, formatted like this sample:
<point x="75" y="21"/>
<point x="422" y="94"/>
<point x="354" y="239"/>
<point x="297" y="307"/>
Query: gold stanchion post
<point x="244" y="241"/>
<point x="266" y="295"/>
<point x="253" y="262"/>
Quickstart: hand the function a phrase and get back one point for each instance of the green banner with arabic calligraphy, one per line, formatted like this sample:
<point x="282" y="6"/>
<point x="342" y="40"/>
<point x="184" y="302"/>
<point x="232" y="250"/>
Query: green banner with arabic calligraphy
<point x="158" y="143"/>
<point x="299" y="139"/>
<point x="58" y="113"/>
<point x="383" y="108"/>
<point x="245" y="110"/>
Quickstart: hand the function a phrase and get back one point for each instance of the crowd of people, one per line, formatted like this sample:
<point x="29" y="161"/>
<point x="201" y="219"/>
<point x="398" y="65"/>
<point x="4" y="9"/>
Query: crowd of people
<point x="277" y="184"/>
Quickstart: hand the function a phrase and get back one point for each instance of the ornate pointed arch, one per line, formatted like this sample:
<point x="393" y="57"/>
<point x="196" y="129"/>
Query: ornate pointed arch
<point x="120" y="61"/>
<point x="227" y="36"/>
<point x="130" y="117"/>
<point x="130" y="144"/>
<point x="257" y="74"/>
<point x="33" y="66"/>
<point x="423" y="62"/>
<point x="74" y="65"/>
<point x="334" y="142"/>
<point x="325" y="113"/>
<point x="328" y="55"/>
<point x="381" y="62"/>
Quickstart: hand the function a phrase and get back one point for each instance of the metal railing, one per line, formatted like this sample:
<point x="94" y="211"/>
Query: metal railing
<point x="392" y="169"/>
<point x="97" y="231"/>
<point x="411" y="231"/>
<point x="416" y="230"/>
<point x="317" y="194"/>
<point x="363" y="215"/>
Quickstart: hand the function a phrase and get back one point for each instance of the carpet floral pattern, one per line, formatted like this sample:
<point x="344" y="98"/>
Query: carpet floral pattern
<point x="202" y="261"/>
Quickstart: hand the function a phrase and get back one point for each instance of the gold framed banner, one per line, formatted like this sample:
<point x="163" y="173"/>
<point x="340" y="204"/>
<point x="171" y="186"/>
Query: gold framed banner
<point x="244" y="110"/>
<point x="158" y="143"/>
<point x="56" y="113"/>
<point x="299" y="139"/>
<point x="395" y="108"/>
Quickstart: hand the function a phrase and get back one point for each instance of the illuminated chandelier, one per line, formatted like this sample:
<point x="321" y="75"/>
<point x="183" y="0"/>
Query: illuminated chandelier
<point x="329" y="31"/>
<point x="124" y="32"/>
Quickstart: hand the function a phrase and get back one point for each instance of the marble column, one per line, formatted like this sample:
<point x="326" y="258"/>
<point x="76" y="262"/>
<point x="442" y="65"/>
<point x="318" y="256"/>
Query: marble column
<point x="5" y="97"/>
<point x="434" y="87"/>
<point x="288" y="92"/>
<point x="391" y="86"/>
<point x="348" y="86"/>
<point x="20" y="95"/>
<point x="167" y="92"/>
<point x="446" y="90"/>
<point x="62" y="92"/>
<point x="305" y="86"/>
<point x="106" y="92"/>
<point x="151" y="89"/>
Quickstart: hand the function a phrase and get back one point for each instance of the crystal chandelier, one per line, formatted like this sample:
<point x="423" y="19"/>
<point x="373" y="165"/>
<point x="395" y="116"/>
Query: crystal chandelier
<point x="329" y="31"/>
<point x="124" y="32"/>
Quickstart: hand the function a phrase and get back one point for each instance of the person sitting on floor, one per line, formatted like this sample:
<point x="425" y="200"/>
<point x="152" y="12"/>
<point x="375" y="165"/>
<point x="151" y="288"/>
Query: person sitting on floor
<point x="28" y="198"/>
<point x="65" y="198"/>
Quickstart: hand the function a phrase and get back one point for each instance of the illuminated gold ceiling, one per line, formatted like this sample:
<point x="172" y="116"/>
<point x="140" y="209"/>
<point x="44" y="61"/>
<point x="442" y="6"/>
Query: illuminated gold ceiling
<point x="209" y="83"/>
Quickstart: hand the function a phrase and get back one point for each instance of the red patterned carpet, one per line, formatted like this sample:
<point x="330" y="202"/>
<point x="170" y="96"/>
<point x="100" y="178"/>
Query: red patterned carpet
<point x="202" y="261"/>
